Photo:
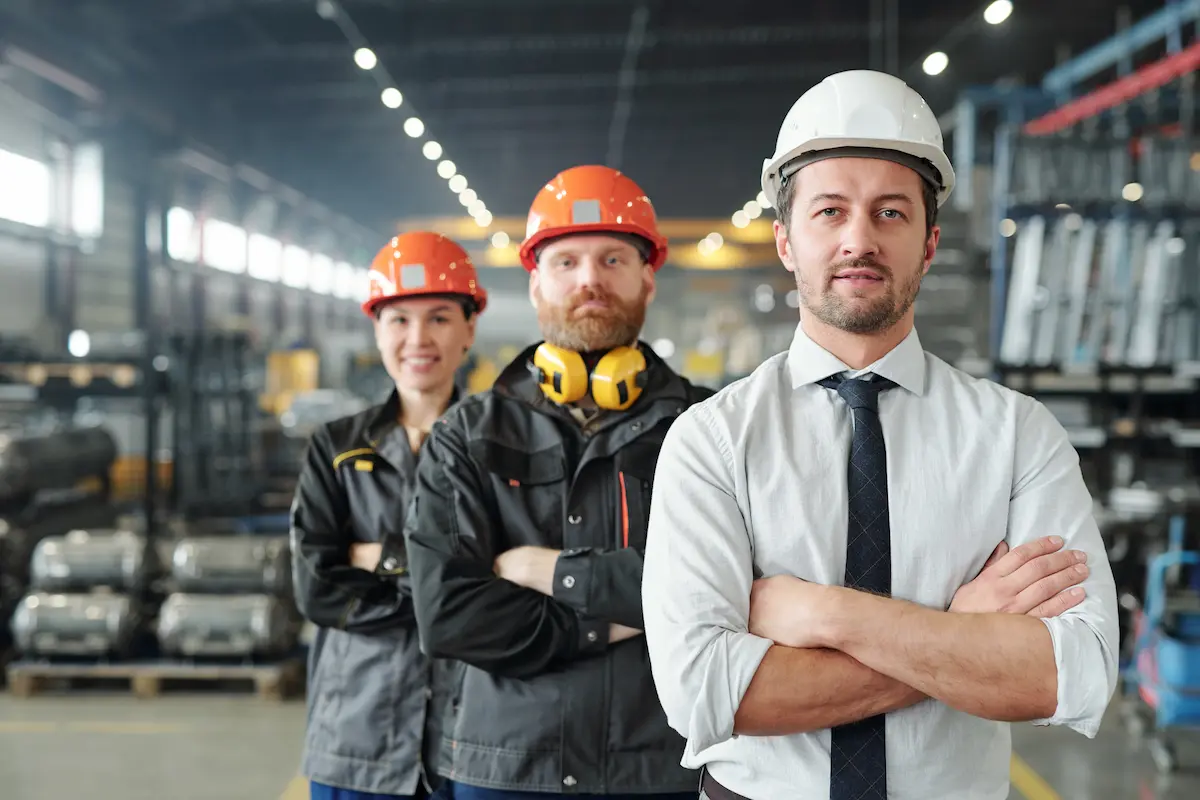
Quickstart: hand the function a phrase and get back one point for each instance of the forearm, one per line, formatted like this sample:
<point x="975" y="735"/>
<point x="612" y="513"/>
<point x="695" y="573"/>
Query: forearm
<point x="801" y="690"/>
<point x="379" y="612"/>
<point x="347" y="598"/>
<point x="995" y="666"/>
<point x="467" y="614"/>
<point x="604" y="585"/>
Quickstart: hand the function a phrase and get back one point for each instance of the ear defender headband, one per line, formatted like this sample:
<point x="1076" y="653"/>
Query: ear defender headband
<point x="615" y="384"/>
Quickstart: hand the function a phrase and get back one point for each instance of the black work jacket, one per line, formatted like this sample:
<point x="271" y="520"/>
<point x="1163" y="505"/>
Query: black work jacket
<point x="546" y="704"/>
<point x="375" y="701"/>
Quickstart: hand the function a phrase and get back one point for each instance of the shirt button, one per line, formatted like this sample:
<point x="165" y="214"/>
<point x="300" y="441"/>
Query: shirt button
<point x="569" y="780"/>
<point x="574" y="519"/>
<point x="390" y="564"/>
<point x="569" y="581"/>
<point x="637" y="426"/>
<point x="591" y="637"/>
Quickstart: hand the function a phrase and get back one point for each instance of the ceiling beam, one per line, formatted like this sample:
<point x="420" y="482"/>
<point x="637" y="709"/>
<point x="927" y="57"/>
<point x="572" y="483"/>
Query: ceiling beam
<point x="188" y="12"/>
<point x="669" y="110"/>
<point x="459" y="47"/>
<point x="522" y="142"/>
<point x="475" y="85"/>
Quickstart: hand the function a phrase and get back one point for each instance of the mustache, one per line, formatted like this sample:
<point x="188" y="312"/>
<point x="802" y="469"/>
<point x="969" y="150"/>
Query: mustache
<point x="588" y="295"/>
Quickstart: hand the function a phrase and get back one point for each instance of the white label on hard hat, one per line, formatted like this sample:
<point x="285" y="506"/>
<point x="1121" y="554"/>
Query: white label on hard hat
<point x="412" y="276"/>
<point x="585" y="212"/>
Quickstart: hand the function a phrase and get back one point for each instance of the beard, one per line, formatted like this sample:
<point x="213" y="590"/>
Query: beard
<point x="859" y="313"/>
<point x="571" y="327"/>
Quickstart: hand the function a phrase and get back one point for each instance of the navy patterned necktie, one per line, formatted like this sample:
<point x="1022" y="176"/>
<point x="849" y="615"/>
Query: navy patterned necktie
<point x="858" y="757"/>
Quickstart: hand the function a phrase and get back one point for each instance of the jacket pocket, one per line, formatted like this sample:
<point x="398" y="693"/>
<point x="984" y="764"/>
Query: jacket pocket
<point x="528" y="490"/>
<point x="514" y="716"/>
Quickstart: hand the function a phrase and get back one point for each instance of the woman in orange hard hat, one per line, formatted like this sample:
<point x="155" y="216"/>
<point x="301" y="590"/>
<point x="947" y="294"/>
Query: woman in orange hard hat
<point x="375" y="703"/>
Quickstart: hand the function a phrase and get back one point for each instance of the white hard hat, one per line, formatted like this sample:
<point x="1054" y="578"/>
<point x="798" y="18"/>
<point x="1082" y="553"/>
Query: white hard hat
<point x="874" y="114"/>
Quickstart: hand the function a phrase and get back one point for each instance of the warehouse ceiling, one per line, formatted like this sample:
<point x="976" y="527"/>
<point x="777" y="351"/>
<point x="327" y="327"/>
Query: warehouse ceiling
<point x="685" y="95"/>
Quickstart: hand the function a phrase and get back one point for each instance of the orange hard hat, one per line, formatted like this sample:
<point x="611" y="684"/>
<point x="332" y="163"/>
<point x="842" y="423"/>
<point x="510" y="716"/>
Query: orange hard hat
<point x="592" y="199"/>
<point x="422" y="263"/>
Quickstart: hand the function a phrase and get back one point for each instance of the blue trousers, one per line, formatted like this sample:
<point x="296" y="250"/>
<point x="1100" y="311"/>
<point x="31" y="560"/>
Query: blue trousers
<point x="459" y="791"/>
<point x="319" y="791"/>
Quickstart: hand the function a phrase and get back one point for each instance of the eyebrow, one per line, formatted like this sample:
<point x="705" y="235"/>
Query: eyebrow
<point x="433" y="310"/>
<point x="826" y="197"/>
<point x="608" y="250"/>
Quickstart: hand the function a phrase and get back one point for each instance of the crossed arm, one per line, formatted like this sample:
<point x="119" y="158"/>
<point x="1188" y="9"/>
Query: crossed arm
<point x="781" y="656"/>
<point x="858" y="655"/>
<point x="329" y="585"/>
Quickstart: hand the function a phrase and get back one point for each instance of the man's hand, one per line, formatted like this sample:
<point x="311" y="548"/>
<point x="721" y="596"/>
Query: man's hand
<point x="1034" y="579"/>
<point x="619" y="633"/>
<point x="365" y="555"/>
<point x="531" y="567"/>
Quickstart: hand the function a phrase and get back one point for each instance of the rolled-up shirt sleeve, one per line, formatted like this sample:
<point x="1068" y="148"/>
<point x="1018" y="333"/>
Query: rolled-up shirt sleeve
<point x="1050" y="497"/>
<point x="696" y="585"/>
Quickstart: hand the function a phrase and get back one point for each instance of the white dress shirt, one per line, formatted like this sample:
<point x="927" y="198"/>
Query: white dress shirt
<point x="752" y="483"/>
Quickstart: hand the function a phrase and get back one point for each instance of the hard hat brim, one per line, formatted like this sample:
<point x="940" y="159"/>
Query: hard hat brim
<point x="479" y="300"/>
<point x="658" y="245"/>
<point x="772" y="167"/>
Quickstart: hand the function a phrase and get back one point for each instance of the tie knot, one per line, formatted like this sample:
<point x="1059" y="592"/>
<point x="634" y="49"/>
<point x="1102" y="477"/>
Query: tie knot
<point x="859" y="393"/>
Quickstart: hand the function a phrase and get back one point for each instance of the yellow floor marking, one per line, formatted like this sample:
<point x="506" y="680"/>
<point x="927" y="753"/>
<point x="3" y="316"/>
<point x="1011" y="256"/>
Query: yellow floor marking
<point x="296" y="790"/>
<point x="149" y="728"/>
<point x="27" y="727"/>
<point x="143" y="728"/>
<point x="1031" y="785"/>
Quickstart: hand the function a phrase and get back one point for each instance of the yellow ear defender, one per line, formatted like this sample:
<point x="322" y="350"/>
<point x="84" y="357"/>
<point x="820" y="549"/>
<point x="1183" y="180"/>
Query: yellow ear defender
<point x="615" y="384"/>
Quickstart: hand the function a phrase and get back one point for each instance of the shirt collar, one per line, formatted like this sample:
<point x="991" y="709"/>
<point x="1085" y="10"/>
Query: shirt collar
<point x="808" y="363"/>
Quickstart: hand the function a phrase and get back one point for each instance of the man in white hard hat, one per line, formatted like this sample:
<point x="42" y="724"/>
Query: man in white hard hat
<point x="832" y="607"/>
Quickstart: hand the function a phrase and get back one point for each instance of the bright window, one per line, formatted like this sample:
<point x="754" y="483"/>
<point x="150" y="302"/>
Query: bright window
<point x="183" y="236"/>
<point x="266" y="257"/>
<point x="87" y="190"/>
<point x="320" y="274"/>
<point x="25" y="188"/>
<point x="362" y="292"/>
<point x="224" y="246"/>
<point x="296" y="262"/>
<point x="344" y="281"/>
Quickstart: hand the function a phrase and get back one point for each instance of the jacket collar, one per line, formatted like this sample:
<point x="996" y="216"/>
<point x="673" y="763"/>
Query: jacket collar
<point x="904" y="364"/>
<point x="387" y="416"/>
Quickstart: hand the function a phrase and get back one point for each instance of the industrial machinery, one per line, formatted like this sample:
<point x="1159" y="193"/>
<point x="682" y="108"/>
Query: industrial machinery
<point x="90" y="593"/>
<point x="54" y="625"/>
<point x="53" y="461"/>
<point x="232" y="564"/>
<point x="215" y="381"/>
<point x="53" y="479"/>
<point x="227" y="626"/>
<point x="231" y="598"/>
<point x="1165" y="672"/>
<point x="83" y="560"/>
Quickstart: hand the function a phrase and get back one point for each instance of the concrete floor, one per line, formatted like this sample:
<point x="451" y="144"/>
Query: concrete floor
<point x="112" y="747"/>
<point x="200" y="747"/>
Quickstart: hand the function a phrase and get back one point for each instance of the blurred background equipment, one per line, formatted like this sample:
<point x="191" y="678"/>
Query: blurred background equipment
<point x="231" y="598"/>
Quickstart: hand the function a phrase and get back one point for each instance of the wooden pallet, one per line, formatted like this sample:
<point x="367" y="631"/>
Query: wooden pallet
<point x="275" y="681"/>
